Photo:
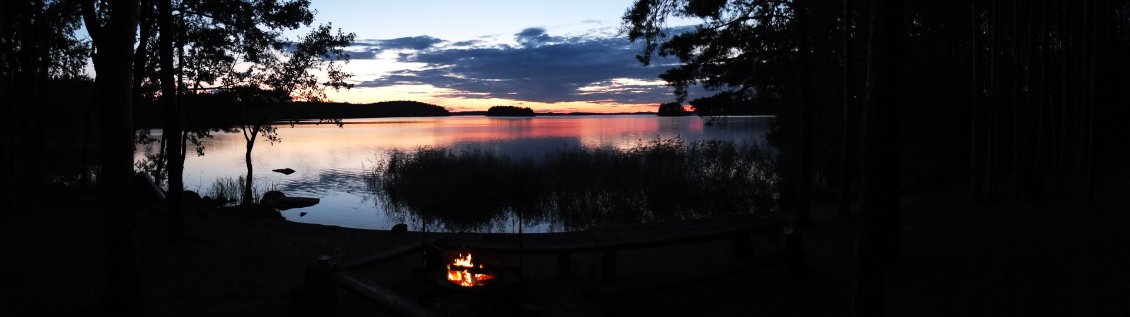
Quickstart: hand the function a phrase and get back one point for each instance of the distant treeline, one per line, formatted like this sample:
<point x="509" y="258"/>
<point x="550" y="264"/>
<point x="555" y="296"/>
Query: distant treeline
<point x="201" y="111"/>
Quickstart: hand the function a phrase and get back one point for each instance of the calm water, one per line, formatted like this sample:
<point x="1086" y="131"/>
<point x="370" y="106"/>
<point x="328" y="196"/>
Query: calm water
<point x="332" y="162"/>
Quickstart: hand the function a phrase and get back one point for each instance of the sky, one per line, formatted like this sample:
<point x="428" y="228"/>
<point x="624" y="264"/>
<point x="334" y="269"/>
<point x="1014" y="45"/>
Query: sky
<point x="552" y="56"/>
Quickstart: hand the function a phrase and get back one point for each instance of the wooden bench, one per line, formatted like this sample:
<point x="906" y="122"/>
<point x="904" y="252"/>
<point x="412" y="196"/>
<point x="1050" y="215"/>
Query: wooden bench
<point x="605" y="242"/>
<point x="609" y="241"/>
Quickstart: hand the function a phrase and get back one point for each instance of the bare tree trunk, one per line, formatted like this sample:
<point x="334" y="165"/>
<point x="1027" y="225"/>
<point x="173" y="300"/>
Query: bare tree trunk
<point x="249" y="136"/>
<point x="976" y="177"/>
<point x="1016" y="100"/>
<point x="114" y="41"/>
<point x="1094" y="19"/>
<point x="1042" y="97"/>
<point x="804" y="185"/>
<point x="173" y="128"/>
<point x="845" y="156"/>
<point x="140" y="56"/>
<point x="878" y="239"/>
<point x="995" y="102"/>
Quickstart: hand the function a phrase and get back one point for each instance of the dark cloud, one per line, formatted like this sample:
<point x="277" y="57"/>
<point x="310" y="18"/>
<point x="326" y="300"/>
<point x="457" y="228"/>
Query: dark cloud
<point x="368" y="49"/>
<point x="543" y="69"/>
<point x="414" y="43"/>
<point x="533" y="37"/>
<point x="365" y="54"/>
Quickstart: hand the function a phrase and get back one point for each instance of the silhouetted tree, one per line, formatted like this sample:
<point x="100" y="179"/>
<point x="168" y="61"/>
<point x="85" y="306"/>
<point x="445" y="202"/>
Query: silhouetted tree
<point x="878" y="241"/>
<point x="172" y="130"/>
<point x="239" y="46"/>
<point x="747" y="49"/>
<point x="39" y="51"/>
<point x="671" y="109"/>
<point x="112" y="27"/>
<point x="845" y="152"/>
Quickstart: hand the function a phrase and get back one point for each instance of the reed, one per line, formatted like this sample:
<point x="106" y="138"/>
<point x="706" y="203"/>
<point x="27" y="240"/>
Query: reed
<point x="656" y="180"/>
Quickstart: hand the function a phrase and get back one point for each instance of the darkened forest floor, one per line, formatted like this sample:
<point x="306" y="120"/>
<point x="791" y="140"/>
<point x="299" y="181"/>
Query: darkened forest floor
<point x="1048" y="256"/>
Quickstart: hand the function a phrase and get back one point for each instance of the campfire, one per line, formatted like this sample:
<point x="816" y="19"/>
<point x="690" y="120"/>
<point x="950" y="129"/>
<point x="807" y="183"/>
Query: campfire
<point x="463" y="271"/>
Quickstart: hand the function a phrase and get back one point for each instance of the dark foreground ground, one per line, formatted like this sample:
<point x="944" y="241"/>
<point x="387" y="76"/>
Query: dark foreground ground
<point x="1050" y="256"/>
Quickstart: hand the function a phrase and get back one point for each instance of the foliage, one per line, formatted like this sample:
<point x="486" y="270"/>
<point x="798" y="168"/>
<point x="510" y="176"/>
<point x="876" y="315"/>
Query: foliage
<point x="39" y="38"/>
<point x="672" y="109"/>
<point x="741" y="46"/>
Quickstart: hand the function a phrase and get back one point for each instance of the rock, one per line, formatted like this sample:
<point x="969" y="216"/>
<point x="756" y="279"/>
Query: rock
<point x="400" y="228"/>
<point x="191" y="199"/>
<point x="284" y="171"/>
<point x="272" y="197"/>
<point x="279" y="200"/>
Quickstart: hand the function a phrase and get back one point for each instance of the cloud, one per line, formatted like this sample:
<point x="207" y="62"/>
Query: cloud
<point x="414" y="42"/>
<point x="543" y="68"/>
<point x="533" y="37"/>
<point x="369" y="48"/>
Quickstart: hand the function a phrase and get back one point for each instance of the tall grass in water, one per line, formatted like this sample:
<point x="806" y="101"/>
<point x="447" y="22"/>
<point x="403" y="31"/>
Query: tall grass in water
<point x="230" y="190"/>
<point x="660" y="180"/>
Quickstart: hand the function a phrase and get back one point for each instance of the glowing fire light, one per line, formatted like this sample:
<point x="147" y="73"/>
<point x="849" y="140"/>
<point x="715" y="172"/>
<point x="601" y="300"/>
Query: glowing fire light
<point x="459" y="271"/>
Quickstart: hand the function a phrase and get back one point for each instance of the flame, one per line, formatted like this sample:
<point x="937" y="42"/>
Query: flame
<point x="459" y="272"/>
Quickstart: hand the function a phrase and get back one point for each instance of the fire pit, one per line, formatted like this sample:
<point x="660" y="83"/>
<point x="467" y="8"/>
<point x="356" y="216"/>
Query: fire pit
<point x="465" y="272"/>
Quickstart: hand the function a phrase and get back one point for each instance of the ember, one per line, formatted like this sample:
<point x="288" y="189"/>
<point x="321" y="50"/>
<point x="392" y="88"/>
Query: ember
<point x="463" y="271"/>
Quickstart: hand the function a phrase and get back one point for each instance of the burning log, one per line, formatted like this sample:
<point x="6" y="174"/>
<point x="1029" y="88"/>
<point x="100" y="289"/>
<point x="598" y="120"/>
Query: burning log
<point x="463" y="271"/>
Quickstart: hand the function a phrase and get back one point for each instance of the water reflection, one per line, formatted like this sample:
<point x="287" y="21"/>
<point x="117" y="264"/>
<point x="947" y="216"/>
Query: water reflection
<point x="331" y="161"/>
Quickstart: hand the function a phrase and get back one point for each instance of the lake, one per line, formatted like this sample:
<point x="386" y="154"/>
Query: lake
<point x="332" y="163"/>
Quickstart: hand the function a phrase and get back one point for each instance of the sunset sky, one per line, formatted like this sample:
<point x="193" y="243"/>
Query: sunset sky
<point x="559" y="56"/>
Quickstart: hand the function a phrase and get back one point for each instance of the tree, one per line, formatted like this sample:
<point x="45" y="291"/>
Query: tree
<point x="112" y="26"/>
<point x="238" y="48"/>
<point x="746" y="49"/>
<point x="172" y="131"/>
<point x="39" y="51"/>
<point x="671" y="109"/>
<point x="882" y="162"/>
<point x="845" y="152"/>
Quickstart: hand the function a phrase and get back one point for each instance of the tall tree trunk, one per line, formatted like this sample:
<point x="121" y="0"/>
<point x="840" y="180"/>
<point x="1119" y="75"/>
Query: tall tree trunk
<point x="976" y="174"/>
<point x="140" y="56"/>
<point x="173" y="129"/>
<point x="1094" y="19"/>
<point x="878" y="242"/>
<point x="114" y="41"/>
<point x="804" y="185"/>
<point x="845" y="156"/>
<point x="994" y="102"/>
<point x="1042" y="96"/>
<point x="1016" y="100"/>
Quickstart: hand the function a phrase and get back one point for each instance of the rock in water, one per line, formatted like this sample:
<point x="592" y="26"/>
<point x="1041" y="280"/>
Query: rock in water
<point x="285" y="171"/>
<point x="282" y="202"/>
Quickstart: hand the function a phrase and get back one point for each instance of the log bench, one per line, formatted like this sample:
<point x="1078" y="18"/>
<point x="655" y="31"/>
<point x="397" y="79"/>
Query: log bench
<point x="606" y="242"/>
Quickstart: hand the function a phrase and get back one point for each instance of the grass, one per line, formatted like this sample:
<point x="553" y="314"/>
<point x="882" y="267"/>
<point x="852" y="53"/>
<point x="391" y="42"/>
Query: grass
<point x="230" y="189"/>
<point x="658" y="180"/>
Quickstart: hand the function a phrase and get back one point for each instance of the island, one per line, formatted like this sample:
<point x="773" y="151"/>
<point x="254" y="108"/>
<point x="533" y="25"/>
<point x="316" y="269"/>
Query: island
<point x="509" y="111"/>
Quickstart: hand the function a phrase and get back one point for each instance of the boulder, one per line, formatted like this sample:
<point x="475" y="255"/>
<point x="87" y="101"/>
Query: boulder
<point x="400" y="228"/>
